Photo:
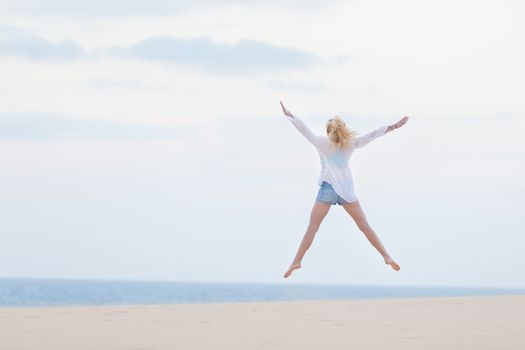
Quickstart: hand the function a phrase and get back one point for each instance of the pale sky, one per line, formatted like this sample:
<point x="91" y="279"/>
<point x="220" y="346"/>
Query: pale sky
<point x="144" y="140"/>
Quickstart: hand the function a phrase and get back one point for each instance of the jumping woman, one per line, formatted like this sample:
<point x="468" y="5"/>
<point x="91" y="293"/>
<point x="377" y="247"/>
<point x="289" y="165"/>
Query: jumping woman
<point x="336" y="185"/>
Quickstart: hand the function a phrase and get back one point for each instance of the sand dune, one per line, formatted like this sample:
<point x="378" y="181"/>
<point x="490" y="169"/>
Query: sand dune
<point x="422" y="323"/>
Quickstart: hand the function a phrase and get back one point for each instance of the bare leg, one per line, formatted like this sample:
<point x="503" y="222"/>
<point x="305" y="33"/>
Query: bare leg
<point x="356" y="212"/>
<point x="317" y="215"/>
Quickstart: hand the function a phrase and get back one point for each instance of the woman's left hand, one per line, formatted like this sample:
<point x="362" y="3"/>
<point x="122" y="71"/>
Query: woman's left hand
<point x="285" y="111"/>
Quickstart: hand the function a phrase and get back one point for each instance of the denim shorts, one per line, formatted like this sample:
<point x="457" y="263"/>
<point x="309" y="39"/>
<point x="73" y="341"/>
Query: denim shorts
<point x="327" y="195"/>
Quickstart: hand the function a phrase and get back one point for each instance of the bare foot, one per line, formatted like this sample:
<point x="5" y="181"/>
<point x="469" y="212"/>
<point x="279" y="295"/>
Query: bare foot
<point x="291" y="269"/>
<point x="392" y="263"/>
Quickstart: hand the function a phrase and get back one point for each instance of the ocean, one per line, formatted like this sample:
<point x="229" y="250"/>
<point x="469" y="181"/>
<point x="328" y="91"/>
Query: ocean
<point x="17" y="292"/>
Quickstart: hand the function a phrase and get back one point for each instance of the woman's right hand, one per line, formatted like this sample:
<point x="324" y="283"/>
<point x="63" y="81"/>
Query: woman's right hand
<point x="285" y="111"/>
<point x="401" y="122"/>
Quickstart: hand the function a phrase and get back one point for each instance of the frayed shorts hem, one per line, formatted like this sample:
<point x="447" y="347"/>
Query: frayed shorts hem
<point x="327" y="195"/>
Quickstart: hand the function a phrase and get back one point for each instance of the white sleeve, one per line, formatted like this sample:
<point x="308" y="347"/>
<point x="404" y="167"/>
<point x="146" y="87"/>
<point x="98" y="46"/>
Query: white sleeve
<point x="303" y="129"/>
<point x="367" y="138"/>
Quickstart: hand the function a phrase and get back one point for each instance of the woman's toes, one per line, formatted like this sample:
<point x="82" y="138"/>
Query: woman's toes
<point x="291" y="269"/>
<point x="395" y="266"/>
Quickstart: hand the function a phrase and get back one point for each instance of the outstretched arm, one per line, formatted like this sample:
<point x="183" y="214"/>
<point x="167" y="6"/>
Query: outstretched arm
<point x="367" y="138"/>
<point x="299" y="125"/>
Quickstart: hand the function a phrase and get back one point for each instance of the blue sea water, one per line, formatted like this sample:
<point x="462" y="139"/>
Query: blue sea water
<point x="67" y="292"/>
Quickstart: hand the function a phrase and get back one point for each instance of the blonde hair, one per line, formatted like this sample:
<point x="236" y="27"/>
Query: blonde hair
<point x="338" y="133"/>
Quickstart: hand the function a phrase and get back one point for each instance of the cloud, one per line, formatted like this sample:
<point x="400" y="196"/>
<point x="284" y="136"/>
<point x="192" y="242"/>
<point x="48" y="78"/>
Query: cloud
<point x="44" y="127"/>
<point x="304" y="87"/>
<point x="122" y="83"/>
<point x="40" y="49"/>
<point x="7" y="30"/>
<point x="246" y="56"/>
<point x="122" y="8"/>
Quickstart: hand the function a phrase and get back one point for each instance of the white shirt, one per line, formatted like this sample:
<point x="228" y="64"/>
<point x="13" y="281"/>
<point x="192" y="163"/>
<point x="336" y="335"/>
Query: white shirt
<point x="334" y="161"/>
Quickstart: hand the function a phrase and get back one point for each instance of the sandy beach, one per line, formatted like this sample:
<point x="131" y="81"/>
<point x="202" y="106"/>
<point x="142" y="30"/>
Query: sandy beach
<point x="419" y="323"/>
